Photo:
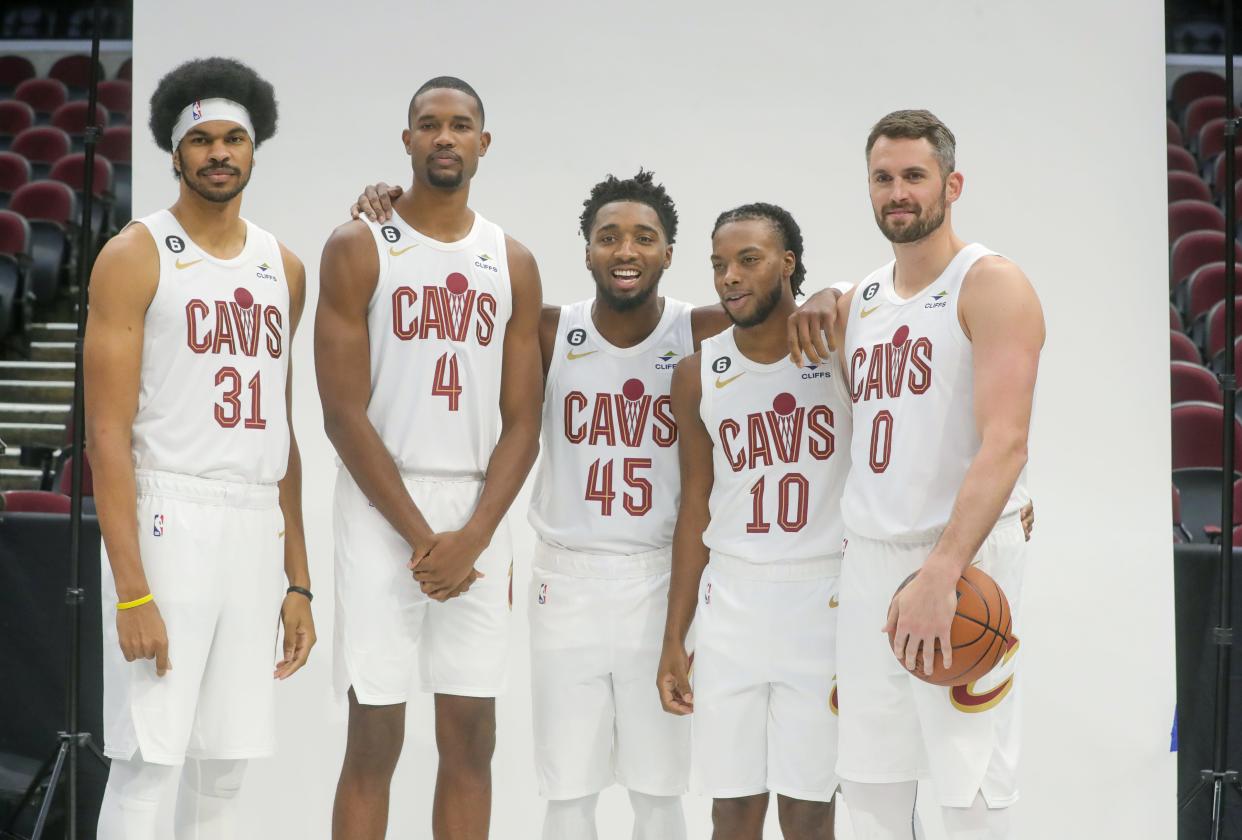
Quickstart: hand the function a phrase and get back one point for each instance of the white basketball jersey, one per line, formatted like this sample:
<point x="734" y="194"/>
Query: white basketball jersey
<point x="608" y="480"/>
<point x="779" y="455"/>
<point x="437" y="330"/>
<point x="215" y="347"/>
<point x="911" y="378"/>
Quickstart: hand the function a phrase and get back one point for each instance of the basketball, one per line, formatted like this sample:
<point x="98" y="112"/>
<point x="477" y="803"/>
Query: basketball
<point x="981" y="634"/>
<point x="457" y="283"/>
<point x="243" y="297"/>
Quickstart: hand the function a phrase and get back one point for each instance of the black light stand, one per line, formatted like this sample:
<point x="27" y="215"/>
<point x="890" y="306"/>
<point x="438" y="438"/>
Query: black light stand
<point x="1220" y="775"/>
<point x="71" y="739"/>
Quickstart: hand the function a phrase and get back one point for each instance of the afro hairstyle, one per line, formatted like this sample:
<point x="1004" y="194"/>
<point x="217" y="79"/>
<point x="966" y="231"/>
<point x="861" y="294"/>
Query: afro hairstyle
<point x="212" y="78"/>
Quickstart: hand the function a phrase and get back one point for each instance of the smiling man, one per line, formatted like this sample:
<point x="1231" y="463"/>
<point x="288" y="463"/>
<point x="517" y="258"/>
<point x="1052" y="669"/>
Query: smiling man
<point x="197" y="475"/>
<point x="427" y="353"/>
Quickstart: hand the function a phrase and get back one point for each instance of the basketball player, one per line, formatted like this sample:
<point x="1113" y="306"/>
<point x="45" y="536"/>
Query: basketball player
<point x="940" y="348"/>
<point x="427" y="353"/>
<point x="757" y="545"/>
<point x="197" y="475"/>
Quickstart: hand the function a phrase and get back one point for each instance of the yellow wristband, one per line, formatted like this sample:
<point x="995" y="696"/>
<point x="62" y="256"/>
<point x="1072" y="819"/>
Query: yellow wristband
<point x="137" y="602"/>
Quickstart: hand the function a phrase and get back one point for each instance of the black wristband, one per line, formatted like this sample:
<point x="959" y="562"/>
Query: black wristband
<point x="301" y="591"/>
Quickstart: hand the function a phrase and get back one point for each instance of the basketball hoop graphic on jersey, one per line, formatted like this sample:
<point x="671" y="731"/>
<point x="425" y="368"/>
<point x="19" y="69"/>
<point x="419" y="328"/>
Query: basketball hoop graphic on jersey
<point x="900" y="336"/>
<point x="784" y="404"/>
<point x="246" y="309"/>
<point x="457" y="286"/>
<point x="632" y="393"/>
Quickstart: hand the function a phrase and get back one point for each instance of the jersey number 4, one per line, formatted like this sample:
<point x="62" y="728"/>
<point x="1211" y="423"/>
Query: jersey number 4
<point x="447" y="382"/>
<point x="599" y="486"/>
<point x="229" y="410"/>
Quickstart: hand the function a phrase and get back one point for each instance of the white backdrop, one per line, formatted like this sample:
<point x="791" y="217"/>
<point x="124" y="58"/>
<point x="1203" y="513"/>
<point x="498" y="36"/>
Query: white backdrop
<point x="1058" y="109"/>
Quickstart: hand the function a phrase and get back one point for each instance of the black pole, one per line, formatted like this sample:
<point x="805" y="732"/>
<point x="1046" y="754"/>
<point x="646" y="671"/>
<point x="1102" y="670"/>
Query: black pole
<point x="1223" y="634"/>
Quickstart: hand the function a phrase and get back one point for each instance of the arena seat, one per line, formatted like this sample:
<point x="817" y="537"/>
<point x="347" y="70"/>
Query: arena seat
<point x="1201" y="111"/>
<point x="1175" y="319"/>
<point x="74" y="118"/>
<point x="14" y="172"/>
<point x="1214" y="337"/>
<point x="75" y="72"/>
<point x="126" y="70"/>
<point x="117" y="96"/>
<point x="15" y="265"/>
<point x="1194" y="85"/>
<point x="1197" y="435"/>
<point x="44" y="95"/>
<point x="1210" y="141"/>
<point x="15" y="117"/>
<point x="1184" y="186"/>
<point x="14" y="69"/>
<point x="1183" y="349"/>
<point x="115" y="146"/>
<point x="1190" y="215"/>
<point x="1190" y="382"/>
<point x="35" y="501"/>
<point x="1199" y="490"/>
<point x="71" y="170"/>
<point x="1180" y="534"/>
<point x="50" y="207"/>
<point x="66" y="477"/>
<point x="1217" y="176"/>
<point x="42" y="145"/>
<point x="1194" y="250"/>
<point x="1173" y="134"/>
<point x="1180" y="160"/>
<point x="1206" y="288"/>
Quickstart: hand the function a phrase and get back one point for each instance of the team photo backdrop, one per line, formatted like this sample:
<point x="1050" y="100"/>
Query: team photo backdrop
<point x="1058" y="111"/>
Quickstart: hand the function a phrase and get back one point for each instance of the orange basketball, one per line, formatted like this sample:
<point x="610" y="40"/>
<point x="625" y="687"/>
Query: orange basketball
<point x="982" y="631"/>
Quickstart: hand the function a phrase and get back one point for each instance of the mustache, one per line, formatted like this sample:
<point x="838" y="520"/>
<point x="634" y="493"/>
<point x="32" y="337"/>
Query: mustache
<point x="211" y="170"/>
<point x="454" y="155"/>
<point x="907" y="207"/>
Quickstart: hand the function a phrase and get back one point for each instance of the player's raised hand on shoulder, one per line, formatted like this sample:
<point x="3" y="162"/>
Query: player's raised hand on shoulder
<point x="449" y="562"/>
<point x="810" y="328"/>
<point x="376" y="202"/>
<point x="673" y="680"/>
<point x="142" y="635"/>
<point x="299" y="629"/>
<point x="921" y="617"/>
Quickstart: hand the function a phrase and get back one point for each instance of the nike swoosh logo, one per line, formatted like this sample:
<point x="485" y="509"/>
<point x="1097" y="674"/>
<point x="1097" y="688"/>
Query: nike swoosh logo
<point x="571" y="355"/>
<point x="393" y="252"/>
<point x="833" y="603"/>
<point x="180" y="264"/>
<point x="865" y="311"/>
<point x="720" y="383"/>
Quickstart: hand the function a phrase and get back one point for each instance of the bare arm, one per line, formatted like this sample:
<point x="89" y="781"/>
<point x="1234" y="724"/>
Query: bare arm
<point x="689" y="553"/>
<point x="299" y="626"/>
<point x="549" y="320"/>
<point x="1002" y="317"/>
<point x="123" y="283"/>
<point x="348" y="273"/>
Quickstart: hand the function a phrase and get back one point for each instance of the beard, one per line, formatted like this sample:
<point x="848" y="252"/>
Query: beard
<point x="619" y="303"/>
<point x="216" y="195"/>
<point x="445" y="180"/>
<point x="925" y="222"/>
<point x="763" y="308"/>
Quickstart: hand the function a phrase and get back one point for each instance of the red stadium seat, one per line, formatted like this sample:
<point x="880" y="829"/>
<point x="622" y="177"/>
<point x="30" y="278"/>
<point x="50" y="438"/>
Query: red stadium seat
<point x="1181" y="348"/>
<point x="42" y="145"/>
<point x="126" y="70"/>
<point x="1203" y="109"/>
<point x="117" y="96"/>
<point x="35" y="501"/>
<point x="14" y="69"/>
<point x="1173" y="134"/>
<point x="1190" y="215"/>
<point x="1206" y="288"/>
<point x="1216" y="325"/>
<point x="1193" y="383"/>
<point x="114" y="144"/>
<point x="50" y="206"/>
<point x="1175" y="319"/>
<point x="1218" y="171"/>
<point x="71" y="170"/>
<point x="74" y="117"/>
<point x="1197" y="435"/>
<point x="1210" y="141"/>
<point x="66" y="477"/>
<point x="75" y="71"/>
<point x="14" y="234"/>
<point x="1184" y="185"/>
<point x="1181" y="160"/>
<point x="15" y="245"/>
<point x="1191" y="86"/>
<point x="1196" y="249"/>
<point x="14" y="172"/>
<point x="44" y="95"/>
<point x="15" y="117"/>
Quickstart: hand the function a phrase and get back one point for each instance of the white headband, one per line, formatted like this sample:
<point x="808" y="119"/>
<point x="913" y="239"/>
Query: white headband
<point x="201" y="111"/>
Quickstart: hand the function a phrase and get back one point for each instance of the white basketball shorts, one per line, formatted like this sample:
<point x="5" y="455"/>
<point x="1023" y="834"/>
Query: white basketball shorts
<point x="384" y="622"/>
<point x="895" y="727"/>
<point x="596" y="630"/>
<point x="764" y="663"/>
<point x="213" y="554"/>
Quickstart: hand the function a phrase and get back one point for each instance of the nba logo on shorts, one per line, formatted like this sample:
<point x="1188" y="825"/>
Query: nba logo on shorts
<point x="707" y="593"/>
<point x="158" y="530"/>
<point x="543" y="593"/>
